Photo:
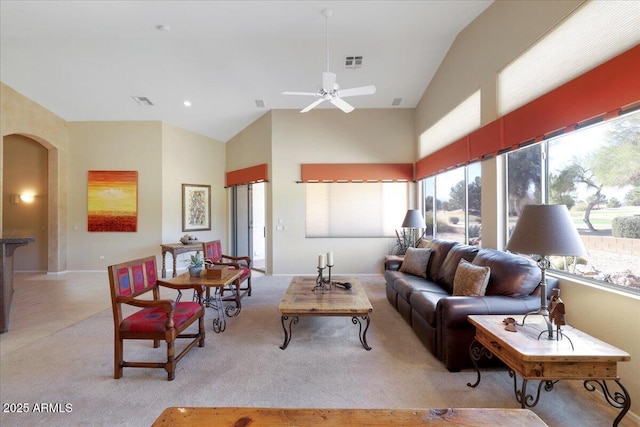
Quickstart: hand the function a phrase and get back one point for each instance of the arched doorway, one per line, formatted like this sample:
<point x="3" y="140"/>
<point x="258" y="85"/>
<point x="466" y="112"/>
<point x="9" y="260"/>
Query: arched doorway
<point x="26" y="172"/>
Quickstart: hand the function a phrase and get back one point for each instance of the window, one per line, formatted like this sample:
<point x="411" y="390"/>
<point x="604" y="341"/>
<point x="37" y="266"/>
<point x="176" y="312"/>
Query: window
<point x="452" y="201"/>
<point x="355" y="209"/>
<point x="581" y="42"/>
<point x="595" y="171"/>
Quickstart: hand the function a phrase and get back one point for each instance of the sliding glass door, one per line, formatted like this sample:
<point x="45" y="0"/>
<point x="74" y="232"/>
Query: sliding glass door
<point x="248" y="223"/>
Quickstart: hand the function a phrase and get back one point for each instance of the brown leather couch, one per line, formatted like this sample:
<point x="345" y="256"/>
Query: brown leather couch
<point x="440" y="319"/>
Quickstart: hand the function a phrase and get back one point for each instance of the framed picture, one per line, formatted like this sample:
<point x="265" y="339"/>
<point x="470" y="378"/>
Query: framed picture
<point x="196" y="207"/>
<point x="112" y="201"/>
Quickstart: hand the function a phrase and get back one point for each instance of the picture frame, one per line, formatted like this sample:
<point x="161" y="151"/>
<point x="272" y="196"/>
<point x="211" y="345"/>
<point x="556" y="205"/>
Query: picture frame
<point x="196" y="207"/>
<point x="112" y="201"/>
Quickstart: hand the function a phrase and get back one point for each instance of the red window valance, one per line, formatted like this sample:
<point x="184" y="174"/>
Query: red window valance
<point x="248" y="175"/>
<point x="356" y="172"/>
<point x="601" y="92"/>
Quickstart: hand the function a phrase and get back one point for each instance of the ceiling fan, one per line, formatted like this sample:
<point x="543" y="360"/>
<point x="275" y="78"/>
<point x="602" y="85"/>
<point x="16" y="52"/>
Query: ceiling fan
<point x="330" y="90"/>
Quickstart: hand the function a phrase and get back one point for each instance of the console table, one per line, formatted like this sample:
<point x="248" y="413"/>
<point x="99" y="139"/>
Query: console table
<point x="576" y="356"/>
<point x="306" y="417"/>
<point x="176" y="249"/>
<point x="7" y="247"/>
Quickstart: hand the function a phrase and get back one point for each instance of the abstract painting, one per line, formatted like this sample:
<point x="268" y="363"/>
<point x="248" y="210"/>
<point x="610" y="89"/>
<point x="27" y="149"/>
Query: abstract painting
<point x="113" y="201"/>
<point x="196" y="207"/>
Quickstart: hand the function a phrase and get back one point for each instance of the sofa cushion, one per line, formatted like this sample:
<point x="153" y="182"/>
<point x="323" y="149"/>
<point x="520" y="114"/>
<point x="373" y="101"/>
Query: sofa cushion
<point x="450" y="264"/>
<point x="511" y="275"/>
<point x="439" y="250"/>
<point x="470" y="280"/>
<point x="415" y="262"/>
<point x="410" y="283"/>
<point x="424" y="304"/>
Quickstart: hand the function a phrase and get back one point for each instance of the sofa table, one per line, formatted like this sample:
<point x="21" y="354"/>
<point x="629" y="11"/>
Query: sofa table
<point x="176" y="249"/>
<point x="576" y="356"/>
<point x="306" y="417"/>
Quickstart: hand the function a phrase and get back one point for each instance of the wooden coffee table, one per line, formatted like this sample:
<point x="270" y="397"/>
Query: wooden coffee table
<point x="306" y="417"/>
<point x="576" y="356"/>
<point x="301" y="300"/>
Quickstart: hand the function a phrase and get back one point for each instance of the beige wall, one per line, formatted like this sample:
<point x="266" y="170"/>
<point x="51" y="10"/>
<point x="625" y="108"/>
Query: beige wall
<point x="330" y="136"/>
<point x="25" y="171"/>
<point x="489" y="43"/>
<point x="19" y="115"/>
<point x="189" y="158"/>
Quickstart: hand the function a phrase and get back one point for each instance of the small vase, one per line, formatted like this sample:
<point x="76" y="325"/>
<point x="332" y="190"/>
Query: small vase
<point x="195" y="271"/>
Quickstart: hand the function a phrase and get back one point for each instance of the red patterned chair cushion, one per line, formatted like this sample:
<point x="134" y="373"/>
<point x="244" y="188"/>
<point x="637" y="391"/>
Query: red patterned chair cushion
<point x="155" y="319"/>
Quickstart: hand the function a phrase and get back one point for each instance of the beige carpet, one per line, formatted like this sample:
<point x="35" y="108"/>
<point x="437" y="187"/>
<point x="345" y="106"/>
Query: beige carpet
<point x="324" y="366"/>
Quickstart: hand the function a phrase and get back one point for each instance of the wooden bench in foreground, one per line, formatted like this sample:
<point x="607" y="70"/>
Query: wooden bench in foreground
<point x="277" y="417"/>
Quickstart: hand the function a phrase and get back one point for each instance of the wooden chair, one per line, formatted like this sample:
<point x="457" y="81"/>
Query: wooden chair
<point x="158" y="319"/>
<point x="213" y="255"/>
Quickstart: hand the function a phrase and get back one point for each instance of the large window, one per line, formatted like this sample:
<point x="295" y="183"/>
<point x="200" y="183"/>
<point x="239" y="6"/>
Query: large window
<point x="355" y="209"/>
<point x="595" y="171"/>
<point x="452" y="204"/>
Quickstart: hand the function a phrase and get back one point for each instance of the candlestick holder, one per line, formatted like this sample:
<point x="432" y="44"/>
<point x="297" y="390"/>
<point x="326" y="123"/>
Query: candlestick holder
<point x="329" y="280"/>
<point x="321" y="285"/>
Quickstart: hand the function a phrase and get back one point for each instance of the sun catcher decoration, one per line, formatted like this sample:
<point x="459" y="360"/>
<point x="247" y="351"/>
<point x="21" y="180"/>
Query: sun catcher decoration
<point x="112" y="201"/>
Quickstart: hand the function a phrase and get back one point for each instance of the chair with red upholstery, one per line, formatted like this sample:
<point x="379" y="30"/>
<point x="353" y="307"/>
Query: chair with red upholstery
<point x="213" y="255"/>
<point x="158" y="319"/>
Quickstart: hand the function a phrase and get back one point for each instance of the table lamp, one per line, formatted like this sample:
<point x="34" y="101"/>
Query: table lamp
<point x="412" y="220"/>
<point x="543" y="231"/>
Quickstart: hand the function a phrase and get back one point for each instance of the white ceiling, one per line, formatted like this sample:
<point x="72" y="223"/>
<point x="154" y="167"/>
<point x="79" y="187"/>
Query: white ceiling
<point x="85" y="60"/>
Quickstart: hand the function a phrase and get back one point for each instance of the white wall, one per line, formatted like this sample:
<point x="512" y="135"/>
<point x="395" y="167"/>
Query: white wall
<point x="330" y="136"/>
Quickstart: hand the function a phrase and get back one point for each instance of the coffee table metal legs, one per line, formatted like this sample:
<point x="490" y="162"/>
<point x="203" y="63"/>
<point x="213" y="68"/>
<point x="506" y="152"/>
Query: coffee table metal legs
<point x="363" y="334"/>
<point x="287" y="334"/>
<point x="355" y="320"/>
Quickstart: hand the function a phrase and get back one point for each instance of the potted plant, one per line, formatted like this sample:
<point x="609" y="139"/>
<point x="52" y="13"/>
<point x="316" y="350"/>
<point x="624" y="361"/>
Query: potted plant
<point x="195" y="264"/>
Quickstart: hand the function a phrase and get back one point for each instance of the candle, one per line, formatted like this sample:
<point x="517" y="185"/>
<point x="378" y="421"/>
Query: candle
<point x="330" y="259"/>
<point x="321" y="261"/>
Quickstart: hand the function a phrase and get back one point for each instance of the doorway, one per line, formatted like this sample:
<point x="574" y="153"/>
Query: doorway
<point x="248" y="223"/>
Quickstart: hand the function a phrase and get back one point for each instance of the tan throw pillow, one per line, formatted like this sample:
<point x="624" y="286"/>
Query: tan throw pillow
<point x="415" y="262"/>
<point x="470" y="280"/>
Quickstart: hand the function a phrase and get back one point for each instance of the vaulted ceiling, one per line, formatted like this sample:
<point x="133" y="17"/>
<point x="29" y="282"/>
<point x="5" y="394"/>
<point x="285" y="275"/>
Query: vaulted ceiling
<point x="86" y="60"/>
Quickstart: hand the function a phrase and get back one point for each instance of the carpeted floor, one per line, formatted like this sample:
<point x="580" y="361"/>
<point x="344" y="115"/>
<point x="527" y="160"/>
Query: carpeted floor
<point x="324" y="366"/>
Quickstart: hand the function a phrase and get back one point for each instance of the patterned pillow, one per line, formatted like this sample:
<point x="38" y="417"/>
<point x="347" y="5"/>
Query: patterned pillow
<point x="470" y="280"/>
<point x="415" y="262"/>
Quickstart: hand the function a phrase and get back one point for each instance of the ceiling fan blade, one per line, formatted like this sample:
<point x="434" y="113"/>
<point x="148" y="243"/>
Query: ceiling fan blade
<point x="356" y="91"/>
<point x="344" y="106"/>
<point x="312" y="105"/>
<point x="301" y="93"/>
<point x="328" y="81"/>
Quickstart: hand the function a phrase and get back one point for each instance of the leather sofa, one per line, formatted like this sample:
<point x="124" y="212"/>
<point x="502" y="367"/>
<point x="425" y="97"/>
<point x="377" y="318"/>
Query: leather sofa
<point x="440" y="319"/>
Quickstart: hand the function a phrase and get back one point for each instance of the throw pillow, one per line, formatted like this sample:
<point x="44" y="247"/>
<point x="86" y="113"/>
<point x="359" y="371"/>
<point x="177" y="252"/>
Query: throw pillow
<point x="470" y="280"/>
<point x="415" y="261"/>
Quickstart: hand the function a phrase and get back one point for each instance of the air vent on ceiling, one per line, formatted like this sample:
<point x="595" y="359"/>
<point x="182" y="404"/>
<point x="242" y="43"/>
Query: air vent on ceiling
<point x="143" y="100"/>
<point x="353" y="62"/>
<point x="260" y="103"/>
<point x="396" y="101"/>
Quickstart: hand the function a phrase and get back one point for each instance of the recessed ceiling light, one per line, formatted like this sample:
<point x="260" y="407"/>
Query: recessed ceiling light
<point x="187" y="103"/>
<point x="163" y="27"/>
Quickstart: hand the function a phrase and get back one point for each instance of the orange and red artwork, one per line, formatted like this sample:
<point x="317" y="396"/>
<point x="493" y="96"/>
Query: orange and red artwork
<point x="113" y="201"/>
